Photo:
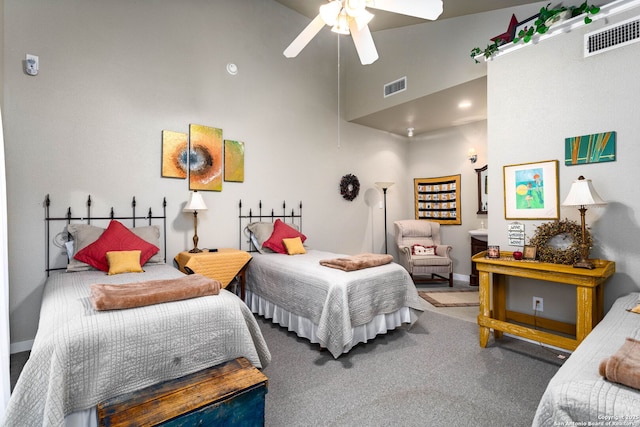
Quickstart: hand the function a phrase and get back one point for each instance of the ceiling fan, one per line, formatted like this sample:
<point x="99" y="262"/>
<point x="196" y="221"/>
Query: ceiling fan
<point x="352" y="17"/>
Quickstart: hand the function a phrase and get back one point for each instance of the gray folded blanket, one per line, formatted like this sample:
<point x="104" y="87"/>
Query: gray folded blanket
<point x="139" y="294"/>
<point x="357" y="262"/>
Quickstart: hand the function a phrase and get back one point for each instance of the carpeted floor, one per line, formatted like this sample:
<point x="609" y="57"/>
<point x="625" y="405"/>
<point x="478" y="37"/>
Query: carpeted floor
<point x="434" y="374"/>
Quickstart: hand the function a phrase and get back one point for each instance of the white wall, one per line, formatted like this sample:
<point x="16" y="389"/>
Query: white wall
<point x="542" y="94"/>
<point x="433" y="57"/>
<point x="442" y="153"/>
<point x="114" y="74"/>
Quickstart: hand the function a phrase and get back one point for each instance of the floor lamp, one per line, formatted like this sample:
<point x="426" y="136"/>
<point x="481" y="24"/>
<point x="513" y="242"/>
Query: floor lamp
<point x="195" y="204"/>
<point x="384" y="186"/>
<point x="582" y="194"/>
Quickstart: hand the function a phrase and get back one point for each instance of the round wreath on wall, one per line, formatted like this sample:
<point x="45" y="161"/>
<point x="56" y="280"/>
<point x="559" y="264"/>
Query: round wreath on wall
<point x="559" y="241"/>
<point x="349" y="187"/>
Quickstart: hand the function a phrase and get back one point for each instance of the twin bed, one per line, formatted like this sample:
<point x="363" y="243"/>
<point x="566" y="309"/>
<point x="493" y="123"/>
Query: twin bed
<point x="334" y="308"/>
<point x="82" y="356"/>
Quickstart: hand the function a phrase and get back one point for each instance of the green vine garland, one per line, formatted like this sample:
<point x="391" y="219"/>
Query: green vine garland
<point x="349" y="186"/>
<point x="549" y="230"/>
<point x="546" y="18"/>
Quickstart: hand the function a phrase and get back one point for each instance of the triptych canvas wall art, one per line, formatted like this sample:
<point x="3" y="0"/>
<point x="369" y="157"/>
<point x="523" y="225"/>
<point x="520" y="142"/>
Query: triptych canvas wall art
<point x="203" y="157"/>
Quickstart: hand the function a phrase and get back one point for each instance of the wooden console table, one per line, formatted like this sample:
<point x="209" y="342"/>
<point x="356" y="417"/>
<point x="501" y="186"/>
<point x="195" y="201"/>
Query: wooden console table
<point x="589" y="299"/>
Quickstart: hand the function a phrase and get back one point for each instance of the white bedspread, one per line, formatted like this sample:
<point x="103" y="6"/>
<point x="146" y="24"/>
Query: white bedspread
<point x="81" y="357"/>
<point x="577" y="394"/>
<point x="334" y="300"/>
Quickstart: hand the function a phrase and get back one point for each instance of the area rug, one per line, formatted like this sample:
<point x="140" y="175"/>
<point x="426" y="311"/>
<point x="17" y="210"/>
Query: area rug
<point x="461" y="298"/>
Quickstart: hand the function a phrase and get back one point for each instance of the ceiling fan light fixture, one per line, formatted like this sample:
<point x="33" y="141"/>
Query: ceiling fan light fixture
<point x="352" y="17"/>
<point x="330" y="11"/>
<point x="342" y="25"/>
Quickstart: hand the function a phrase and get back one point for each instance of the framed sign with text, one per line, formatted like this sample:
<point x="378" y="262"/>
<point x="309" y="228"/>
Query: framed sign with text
<point x="438" y="199"/>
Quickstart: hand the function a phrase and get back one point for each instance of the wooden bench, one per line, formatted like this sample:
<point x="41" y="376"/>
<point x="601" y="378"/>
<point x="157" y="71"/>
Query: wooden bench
<point x="230" y="393"/>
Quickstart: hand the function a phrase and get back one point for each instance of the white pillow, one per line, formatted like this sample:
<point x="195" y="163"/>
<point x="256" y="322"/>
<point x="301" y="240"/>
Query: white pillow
<point x="69" y="246"/>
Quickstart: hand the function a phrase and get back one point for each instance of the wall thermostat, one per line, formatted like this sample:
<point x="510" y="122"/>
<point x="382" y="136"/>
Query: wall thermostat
<point x="31" y="65"/>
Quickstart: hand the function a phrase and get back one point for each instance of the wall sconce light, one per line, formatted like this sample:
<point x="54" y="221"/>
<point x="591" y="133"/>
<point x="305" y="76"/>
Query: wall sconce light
<point x="473" y="156"/>
<point x="410" y="132"/>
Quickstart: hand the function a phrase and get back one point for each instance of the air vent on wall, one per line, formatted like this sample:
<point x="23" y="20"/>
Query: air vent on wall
<point x="612" y="37"/>
<point x="395" y="87"/>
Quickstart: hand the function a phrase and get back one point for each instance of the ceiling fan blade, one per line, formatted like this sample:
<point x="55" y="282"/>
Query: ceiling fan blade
<point x="304" y="37"/>
<point x="425" y="9"/>
<point x="364" y="43"/>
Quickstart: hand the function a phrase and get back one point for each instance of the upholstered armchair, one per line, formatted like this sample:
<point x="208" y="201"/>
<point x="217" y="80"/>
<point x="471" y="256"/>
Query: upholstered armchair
<point x="434" y="260"/>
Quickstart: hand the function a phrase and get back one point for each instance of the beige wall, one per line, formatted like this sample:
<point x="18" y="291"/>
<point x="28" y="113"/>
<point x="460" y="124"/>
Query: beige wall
<point x="542" y="94"/>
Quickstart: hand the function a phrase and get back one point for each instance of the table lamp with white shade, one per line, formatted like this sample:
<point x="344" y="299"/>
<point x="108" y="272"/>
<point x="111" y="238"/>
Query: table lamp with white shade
<point x="582" y="194"/>
<point x="195" y="204"/>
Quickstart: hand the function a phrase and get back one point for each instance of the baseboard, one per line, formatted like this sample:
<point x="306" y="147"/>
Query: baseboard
<point x="461" y="277"/>
<point x="19" y="347"/>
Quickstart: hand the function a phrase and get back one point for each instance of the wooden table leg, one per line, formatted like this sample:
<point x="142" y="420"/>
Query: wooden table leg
<point x="499" y="301"/>
<point x="599" y="304"/>
<point x="584" y="311"/>
<point x="484" y="289"/>
<point x="242" y="277"/>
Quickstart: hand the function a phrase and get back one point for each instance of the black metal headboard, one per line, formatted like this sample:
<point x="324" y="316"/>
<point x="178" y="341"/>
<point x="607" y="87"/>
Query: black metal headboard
<point x="244" y="220"/>
<point x="68" y="218"/>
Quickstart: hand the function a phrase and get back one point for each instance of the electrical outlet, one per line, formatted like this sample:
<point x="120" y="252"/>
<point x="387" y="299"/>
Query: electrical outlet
<point x="538" y="304"/>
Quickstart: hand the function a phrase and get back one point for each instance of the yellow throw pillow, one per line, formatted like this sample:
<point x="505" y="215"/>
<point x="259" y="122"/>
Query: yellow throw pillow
<point x="124" y="262"/>
<point x="294" y="246"/>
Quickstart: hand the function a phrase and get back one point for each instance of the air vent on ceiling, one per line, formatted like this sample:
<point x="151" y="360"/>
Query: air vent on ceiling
<point x="612" y="37"/>
<point x="395" y="87"/>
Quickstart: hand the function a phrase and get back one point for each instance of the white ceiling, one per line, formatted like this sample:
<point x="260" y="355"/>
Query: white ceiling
<point x="436" y="111"/>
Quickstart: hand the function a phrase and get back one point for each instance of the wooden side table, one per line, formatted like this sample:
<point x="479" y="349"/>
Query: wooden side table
<point x="223" y="265"/>
<point x="589" y="285"/>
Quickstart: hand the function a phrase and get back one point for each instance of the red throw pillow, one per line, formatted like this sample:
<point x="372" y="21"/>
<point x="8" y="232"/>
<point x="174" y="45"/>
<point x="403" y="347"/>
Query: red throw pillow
<point x="281" y="231"/>
<point x="116" y="237"/>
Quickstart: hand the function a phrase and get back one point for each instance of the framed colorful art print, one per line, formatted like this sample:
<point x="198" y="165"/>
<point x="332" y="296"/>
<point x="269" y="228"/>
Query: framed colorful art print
<point x="595" y="148"/>
<point x="531" y="190"/>
<point x="438" y="199"/>
<point x="174" y="154"/>
<point x="233" y="161"/>
<point x="205" y="158"/>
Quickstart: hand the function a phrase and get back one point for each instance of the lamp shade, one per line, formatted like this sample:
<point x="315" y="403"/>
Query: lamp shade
<point x="195" y="203"/>
<point x="384" y="185"/>
<point x="582" y="193"/>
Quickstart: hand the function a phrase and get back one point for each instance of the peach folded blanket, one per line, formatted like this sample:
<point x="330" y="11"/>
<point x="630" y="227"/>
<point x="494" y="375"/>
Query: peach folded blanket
<point x="116" y="297"/>
<point x="357" y="262"/>
<point x="624" y="365"/>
